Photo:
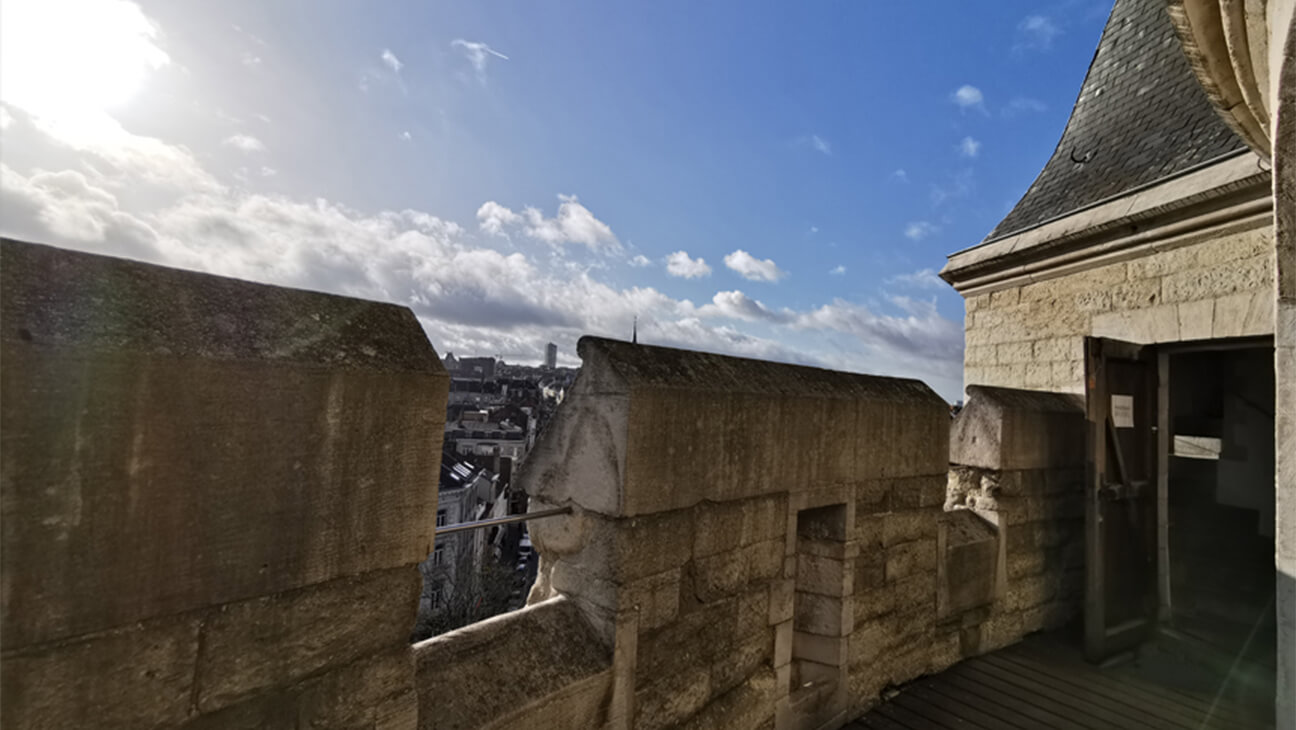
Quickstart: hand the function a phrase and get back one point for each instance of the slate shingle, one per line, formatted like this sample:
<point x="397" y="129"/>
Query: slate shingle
<point x="1141" y="116"/>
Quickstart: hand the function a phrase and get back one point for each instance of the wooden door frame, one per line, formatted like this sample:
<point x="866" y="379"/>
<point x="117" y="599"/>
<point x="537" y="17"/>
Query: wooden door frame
<point x="1098" y="636"/>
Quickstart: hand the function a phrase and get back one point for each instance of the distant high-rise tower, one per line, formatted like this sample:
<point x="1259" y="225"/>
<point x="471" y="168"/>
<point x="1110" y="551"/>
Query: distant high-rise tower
<point x="551" y="355"/>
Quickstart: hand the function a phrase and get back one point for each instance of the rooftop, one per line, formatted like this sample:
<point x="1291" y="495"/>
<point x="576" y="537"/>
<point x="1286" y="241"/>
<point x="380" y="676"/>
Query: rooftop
<point x="1140" y="117"/>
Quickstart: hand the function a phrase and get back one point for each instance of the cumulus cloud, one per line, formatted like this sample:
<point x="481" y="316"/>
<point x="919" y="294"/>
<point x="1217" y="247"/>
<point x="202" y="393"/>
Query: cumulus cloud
<point x="919" y="230"/>
<point x="736" y="305"/>
<point x="390" y="60"/>
<point x="969" y="147"/>
<point x="470" y="297"/>
<point x="752" y="268"/>
<point x="820" y="144"/>
<point x="574" y="223"/>
<point x="837" y="270"/>
<point x="640" y="261"/>
<point x="244" y="143"/>
<point x="679" y="264"/>
<point x="1036" y="32"/>
<point x="901" y="175"/>
<point x="406" y="136"/>
<point x="968" y="97"/>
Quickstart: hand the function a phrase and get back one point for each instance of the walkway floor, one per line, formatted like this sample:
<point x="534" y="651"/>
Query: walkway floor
<point x="1043" y="682"/>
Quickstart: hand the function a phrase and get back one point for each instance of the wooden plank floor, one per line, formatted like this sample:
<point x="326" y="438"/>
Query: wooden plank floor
<point x="1043" y="682"/>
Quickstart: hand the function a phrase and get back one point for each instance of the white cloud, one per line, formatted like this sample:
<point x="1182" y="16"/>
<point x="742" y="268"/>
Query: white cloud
<point x="679" y="264"/>
<point x="736" y="305"/>
<point x="406" y="136"/>
<point x="919" y="230"/>
<point x="574" y="223"/>
<point x="969" y="147"/>
<point x="968" y="97"/>
<point x="820" y="144"/>
<point x="478" y="54"/>
<point x="267" y="171"/>
<point x="921" y="279"/>
<point x="251" y="60"/>
<point x="5" y="118"/>
<point x="244" y="143"/>
<point x="901" y="175"/>
<point x="837" y="270"/>
<point x="470" y="297"/>
<point x="640" y="261"/>
<point x="390" y="60"/>
<point x="494" y="218"/>
<point x="1036" y="32"/>
<point x="1022" y="105"/>
<point x="814" y="229"/>
<point x="752" y="268"/>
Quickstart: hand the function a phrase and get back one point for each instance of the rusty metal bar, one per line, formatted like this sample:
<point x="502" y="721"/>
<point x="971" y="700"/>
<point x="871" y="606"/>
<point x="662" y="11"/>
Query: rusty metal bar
<point x="538" y="514"/>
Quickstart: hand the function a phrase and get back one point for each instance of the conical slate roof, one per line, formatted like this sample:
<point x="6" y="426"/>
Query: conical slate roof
<point x="1141" y="116"/>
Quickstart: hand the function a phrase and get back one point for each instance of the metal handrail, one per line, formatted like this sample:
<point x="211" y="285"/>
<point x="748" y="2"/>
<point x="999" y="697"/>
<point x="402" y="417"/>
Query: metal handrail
<point x="510" y="519"/>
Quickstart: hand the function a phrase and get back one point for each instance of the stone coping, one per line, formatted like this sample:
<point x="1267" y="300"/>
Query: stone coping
<point x="657" y="368"/>
<point x="53" y="296"/>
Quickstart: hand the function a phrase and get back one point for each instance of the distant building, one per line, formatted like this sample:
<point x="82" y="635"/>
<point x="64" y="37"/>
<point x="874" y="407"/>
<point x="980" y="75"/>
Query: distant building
<point x="475" y="368"/>
<point x="465" y="493"/>
<point x="551" y="355"/>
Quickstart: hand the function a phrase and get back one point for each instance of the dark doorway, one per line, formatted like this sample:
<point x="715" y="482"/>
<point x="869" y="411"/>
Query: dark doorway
<point x="1219" y="610"/>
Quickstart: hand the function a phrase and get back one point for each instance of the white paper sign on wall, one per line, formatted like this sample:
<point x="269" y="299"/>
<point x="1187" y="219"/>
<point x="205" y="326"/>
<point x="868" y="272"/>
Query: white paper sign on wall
<point x="1122" y="411"/>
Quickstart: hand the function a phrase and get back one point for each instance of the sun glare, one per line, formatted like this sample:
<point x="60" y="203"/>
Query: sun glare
<point x="60" y="59"/>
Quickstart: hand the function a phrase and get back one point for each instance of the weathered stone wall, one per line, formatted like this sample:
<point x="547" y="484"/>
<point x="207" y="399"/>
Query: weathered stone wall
<point x="215" y="496"/>
<point x="1017" y="459"/>
<point x="754" y="544"/>
<point x="1032" y="336"/>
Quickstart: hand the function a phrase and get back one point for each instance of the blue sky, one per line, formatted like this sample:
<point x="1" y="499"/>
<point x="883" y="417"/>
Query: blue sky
<point x="776" y="180"/>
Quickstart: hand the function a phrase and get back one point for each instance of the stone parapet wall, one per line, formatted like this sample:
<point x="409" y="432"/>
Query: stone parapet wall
<point x="215" y="497"/>
<point x="1017" y="459"/>
<point x="715" y="545"/>
<point x="1032" y="336"/>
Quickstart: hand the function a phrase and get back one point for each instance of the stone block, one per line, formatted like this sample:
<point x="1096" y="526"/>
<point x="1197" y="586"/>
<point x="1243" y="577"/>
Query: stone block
<point x="698" y="638"/>
<point x="822" y="575"/>
<point x="1009" y="429"/>
<point x="732" y="572"/>
<point x="918" y="492"/>
<point x="728" y="525"/>
<point x="870" y="604"/>
<point x="783" y="635"/>
<point x="352" y="696"/>
<point x="656" y="598"/>
<point x="1196" y="319"/>
<point x="910" y="525"/>
<point x="873" y="496"/>
<point x="1030" y="592"/>
<point x="822" y="615"/>
<point x="270" y="641"/>
<point x="750" y="705"/>
<point x="137" y="677"/>
<point x="915" y="593"/>
<point x="743" y="661"/>
<point x="668" y="701"/>
<point x="869" y="571"/>
<point x="781" y="600"/>
<point x="820" y="649"/>
<point x="558" y="670"/>
<point x="1000" y="631"/>
<point x="907" y="558"/>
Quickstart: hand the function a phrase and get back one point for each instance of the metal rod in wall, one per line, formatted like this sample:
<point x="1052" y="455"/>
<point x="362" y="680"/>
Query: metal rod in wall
<point x="465" y="526"/>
